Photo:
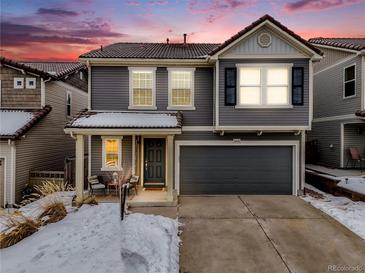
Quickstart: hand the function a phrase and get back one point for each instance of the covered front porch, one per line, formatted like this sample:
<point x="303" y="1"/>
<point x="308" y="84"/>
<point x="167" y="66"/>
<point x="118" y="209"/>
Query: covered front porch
<point x="353" y="145"/>
<point x="126" y="144"/>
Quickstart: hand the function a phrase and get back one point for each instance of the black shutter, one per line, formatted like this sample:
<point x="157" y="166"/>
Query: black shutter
<point x="298" y="86"/>
<point x="230" y="86"/>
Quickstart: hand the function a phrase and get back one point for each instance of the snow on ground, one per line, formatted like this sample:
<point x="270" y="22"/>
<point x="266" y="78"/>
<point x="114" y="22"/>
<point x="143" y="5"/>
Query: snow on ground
<point x="349" y="213"/>
<point x="93" y="239"/>
<point x="36" y="208"/>
<point x="356" y="184"/>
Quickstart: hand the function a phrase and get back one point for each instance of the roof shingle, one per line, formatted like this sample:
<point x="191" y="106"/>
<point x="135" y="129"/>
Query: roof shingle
<point x="345" y="43"/>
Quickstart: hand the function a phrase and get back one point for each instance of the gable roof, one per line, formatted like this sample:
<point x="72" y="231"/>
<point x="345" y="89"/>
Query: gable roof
<point x="345" y="43"/>
<point x="264" y="18"/>
<point x="54" y="70"/>
<point x="14" y="123"/>
<point x="153" y="51"/>
<point x="181" y="50"/>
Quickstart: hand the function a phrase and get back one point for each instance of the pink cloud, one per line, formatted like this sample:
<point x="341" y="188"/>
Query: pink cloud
<point x="316" y="5"/>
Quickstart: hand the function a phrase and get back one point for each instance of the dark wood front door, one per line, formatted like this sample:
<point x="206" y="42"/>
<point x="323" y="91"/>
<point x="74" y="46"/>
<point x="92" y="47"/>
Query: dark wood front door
<point x="154" y="162"/>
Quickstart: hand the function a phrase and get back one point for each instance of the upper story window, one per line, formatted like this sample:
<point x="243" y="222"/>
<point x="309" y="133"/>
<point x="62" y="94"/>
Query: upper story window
<point x="349" y="82"/>
<point x="264" y="85"/>
<point x="142" y="88"/>
<point x="18" y="83"/>
<point x="112" y="153"/>
<point x="68" y="103"/>
<point x="181" y="88"/>
<point x="30" y="83"/>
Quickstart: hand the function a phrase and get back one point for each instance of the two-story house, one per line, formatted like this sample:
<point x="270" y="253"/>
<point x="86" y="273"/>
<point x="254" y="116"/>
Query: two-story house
<point x="196" y="119"/>
<point x="36" y="101"/>
<point x="339" y="100"/>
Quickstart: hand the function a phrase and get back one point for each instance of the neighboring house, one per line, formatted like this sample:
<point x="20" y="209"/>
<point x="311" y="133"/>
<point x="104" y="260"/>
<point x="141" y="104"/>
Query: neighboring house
<point x="339" y="100"/>
<point x="36" y="101"/>
<point x="201" y="118"/>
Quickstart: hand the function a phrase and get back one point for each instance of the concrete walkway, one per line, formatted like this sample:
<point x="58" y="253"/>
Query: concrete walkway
<point x="263" y="234"/>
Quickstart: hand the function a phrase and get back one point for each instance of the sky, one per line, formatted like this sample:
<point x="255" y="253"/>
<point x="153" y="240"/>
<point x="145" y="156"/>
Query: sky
<point x="61" y="30"/>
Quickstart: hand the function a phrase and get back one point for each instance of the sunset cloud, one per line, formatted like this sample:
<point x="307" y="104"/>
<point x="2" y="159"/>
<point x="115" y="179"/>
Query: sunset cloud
<point x="56" y="12"/>
<point x="316" y="5"/>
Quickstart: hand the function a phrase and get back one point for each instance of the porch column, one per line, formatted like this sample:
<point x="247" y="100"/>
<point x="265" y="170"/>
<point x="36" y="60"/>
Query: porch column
<point x="170" y="166"/>
<point x="79" y="172"/>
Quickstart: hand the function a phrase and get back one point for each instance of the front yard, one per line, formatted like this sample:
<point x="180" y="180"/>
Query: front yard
<point x="93" y="239"/>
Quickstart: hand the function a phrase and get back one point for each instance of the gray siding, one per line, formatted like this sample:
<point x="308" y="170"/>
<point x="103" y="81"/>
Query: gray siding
<point x="330" y="57"/>
<point x="74" y="80"/>
<point x="96" y="156"/>
<point x="328" y="91"/>
<point x="110" y="91"/>
<point x="46" y="146"/>
<point x="354" y="136"/>
<point x="296" y="116"/>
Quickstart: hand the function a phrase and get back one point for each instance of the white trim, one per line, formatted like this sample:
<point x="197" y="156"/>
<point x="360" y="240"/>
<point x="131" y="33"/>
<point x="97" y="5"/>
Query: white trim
<point x="259" y="128"/>
<point x="335" y="118"/>
<point x="192" y="87"/>
<point x="3" y="158"/>
<point x="13" y="174"/>
<point x="363" y="83"/>
<point x="69" y="87"/>
<point x="89" y="156"/>
<point x="68" y="93"/>
<point x="197" y="128"/>
<point x="310" y="82"/>
<point x="120" y="147"/>
<point x="294" y="144"/>
<point x="216" y="93"/>
<point x="133" y="154"/>
<point x="81" y="75"/>
<point x="88" y="86"/>
<point x="335" y="48"/>
<point x="27" y="81"/>
<point x="302" y="160"/>
<point x="335" y="64"/>
<point x="121" y="131"/>
<point x="16" y="79"/>
<point x="342" y="145"/>
<point x="149" y="69"/>
<point x="344" y="82"/>
<point x="43" y="93"/>
<point x="263" y="67"/>
<point x="288" y="37"/>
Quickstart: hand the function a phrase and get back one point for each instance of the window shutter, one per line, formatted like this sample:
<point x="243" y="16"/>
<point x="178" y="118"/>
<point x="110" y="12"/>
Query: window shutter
<point x="230" y="86"/>
<point x="298" y="86"/>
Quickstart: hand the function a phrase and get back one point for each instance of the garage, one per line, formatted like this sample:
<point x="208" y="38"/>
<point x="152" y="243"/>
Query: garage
<point x="235" y="169"/>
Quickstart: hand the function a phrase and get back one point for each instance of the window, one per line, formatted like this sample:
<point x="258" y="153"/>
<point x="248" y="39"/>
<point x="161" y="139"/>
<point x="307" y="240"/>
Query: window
<point x="230" y="86"/>
<point x="181" y="88"/>
<point x="112" y="154"/>
<point x="264" y="85"/>
<point x="30" y="83"/>
<point x="18" y="83"/>
<point x="68" y="103"/>
<point x="81" y="75"/>
<point x="349" y="81"/>
<point x="142" y="88"/>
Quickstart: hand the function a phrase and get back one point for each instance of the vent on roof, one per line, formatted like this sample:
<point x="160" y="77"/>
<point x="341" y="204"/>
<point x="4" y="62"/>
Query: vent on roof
<point x="264" y="40"/>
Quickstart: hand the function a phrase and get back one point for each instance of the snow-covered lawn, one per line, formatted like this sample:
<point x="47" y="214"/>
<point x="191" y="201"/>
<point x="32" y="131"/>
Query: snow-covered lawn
<point x="93" y="239"/>
<point x="356" y="184"/>
<point x="349" y="213"/>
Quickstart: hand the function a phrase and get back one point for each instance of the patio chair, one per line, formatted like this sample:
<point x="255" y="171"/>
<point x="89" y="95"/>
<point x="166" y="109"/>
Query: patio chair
<point x="133" y="183"/>
<point x="355" y="157"/>
<point x="96" y="183"/>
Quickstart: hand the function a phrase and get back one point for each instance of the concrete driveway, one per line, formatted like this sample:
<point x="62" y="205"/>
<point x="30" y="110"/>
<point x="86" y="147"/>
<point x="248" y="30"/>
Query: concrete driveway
<point x="264" y="234"/>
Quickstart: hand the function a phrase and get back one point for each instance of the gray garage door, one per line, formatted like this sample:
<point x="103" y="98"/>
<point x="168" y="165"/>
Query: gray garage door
<point x="236" y="170"/>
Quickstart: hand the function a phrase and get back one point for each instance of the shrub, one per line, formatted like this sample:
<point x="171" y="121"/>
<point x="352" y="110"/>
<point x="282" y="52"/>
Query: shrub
<point x="18" y="227"/>
<point x="49" y="187"/>
<point x="89" y="200"/>
<point x="54" y="211"/>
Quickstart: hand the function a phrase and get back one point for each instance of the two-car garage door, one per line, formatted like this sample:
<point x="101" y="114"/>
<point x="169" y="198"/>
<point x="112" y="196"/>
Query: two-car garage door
<point x="228" y="169"/>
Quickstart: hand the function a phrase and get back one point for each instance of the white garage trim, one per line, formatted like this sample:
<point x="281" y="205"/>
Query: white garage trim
<point x="3" y="158"/>
<point x="293" y="144"/>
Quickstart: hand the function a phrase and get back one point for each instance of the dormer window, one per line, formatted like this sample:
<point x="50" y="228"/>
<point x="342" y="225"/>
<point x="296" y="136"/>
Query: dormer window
<point x="18" y="83"/>
<point x="30" y="83"/>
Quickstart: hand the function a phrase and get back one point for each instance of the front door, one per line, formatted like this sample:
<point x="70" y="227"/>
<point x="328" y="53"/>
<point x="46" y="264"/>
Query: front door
<point x="154" y="162"/>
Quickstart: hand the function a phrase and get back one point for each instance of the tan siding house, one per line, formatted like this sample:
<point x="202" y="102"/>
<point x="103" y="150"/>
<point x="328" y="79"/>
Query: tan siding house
<point x="39" y="144"/>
